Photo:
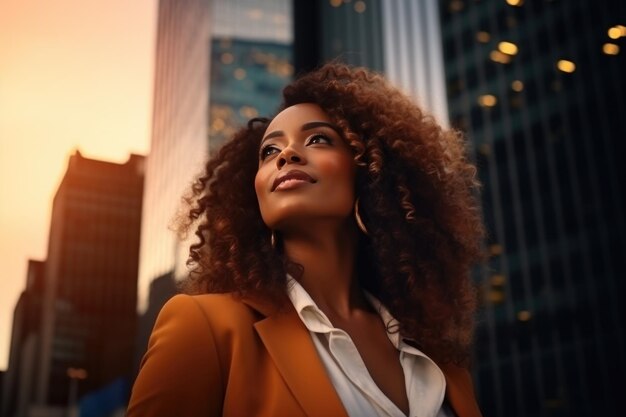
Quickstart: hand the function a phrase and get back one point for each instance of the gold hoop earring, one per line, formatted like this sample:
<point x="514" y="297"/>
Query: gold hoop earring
<point x="357" y="217"/>
<point x="273" y="240"/>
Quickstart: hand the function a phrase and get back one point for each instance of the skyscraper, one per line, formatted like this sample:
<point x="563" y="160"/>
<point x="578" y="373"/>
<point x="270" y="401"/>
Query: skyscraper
<point x="538" y="87"/>
<point x="217" y="62"/>
<point x="179" y="142"/>
<point x="400" y="38"/>
<point x="18" y="388"/>
<point x="88" y="319"/>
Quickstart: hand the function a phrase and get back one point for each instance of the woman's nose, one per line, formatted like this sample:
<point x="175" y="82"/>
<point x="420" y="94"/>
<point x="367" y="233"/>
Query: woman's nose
<point x="289" y="156"/>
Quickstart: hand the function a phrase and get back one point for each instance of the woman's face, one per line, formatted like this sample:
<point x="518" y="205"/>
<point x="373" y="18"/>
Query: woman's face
<point x="306" y="169"/>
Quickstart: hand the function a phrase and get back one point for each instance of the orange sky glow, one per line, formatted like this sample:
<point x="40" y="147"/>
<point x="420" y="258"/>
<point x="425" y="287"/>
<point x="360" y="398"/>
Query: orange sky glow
<point x="74" y="74"/>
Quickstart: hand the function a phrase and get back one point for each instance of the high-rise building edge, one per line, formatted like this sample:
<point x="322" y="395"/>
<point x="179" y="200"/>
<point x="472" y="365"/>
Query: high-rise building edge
<point x="88" y="311"/>
<point x="18" y="388"/>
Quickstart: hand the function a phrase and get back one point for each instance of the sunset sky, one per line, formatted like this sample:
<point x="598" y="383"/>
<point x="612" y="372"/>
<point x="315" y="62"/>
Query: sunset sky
<point x="74" y="74"/>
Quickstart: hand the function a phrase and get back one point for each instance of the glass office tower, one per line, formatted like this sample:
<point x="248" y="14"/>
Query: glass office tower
<point x="399" y="38"/>
<point x="539" y="88"/>
<point x="208" y="76"/>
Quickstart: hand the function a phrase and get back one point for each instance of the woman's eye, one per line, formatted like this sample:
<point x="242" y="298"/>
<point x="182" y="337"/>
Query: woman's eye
<point x="268" y="150"/>
<point x="319" y="139"/>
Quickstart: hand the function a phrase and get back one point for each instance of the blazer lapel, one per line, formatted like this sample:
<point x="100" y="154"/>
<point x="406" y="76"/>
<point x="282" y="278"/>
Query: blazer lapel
<point x="289" y="344"/>
<point x="459" y="391"/>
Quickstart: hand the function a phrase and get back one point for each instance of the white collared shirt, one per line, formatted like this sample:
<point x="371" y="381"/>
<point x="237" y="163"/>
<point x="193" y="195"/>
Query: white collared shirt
<point x="424" y="381"/>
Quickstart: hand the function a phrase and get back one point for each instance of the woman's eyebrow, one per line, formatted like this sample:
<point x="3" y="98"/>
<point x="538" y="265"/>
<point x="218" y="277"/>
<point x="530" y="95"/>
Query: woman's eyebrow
<point x="274" y="134"/>
<point x="313" y="125"/>
<point x="305" y="127"/>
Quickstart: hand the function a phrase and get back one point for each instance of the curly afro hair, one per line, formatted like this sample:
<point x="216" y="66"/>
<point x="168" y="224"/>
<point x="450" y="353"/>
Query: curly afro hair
<point x="418" y="197"/>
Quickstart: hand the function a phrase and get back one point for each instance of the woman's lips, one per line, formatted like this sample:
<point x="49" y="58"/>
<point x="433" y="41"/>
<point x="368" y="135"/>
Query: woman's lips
<point x="292" y="179"/>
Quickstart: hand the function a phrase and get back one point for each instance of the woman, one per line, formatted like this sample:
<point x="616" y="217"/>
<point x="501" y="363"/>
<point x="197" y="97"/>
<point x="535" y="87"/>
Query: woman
<point x="332" y="269"/>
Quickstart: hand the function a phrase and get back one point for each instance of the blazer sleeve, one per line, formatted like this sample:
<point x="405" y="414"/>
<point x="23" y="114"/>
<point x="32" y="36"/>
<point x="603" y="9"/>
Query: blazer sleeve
<point x="180" y="373"/>
<point x="460" y="391"/>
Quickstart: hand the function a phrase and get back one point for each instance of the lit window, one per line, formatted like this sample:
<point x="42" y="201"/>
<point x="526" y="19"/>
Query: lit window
<point x="495" y="249"/>
<point x="499" y="57"/>
<point x="76" y="373"/>
<point x="508" y="48"/>
<point x="248" y="112"/>
<point x="487" y="100"/>
<point x="240" y="73"/>
<point x="227" y="58"/>
<point x="218" y="124"/>
<point x="282" y="69"/>
<point x="614" y="33"/>
<point x="566" y="66"/>
<point x="497" y="280"/>
<point x="483" y="37"/>
<point x="495" y="296"/>
<point x="517" y="3"/>
<point x="359" y="6"/>
<point x="279" y="18"/>
<point x="484" y="149"/>
<point x="255" y="14"/>
<point x="524" y="315"/>
<point x="517" y="85"/>
<point x="617" y="31"/>
<point x="455" y="6"/>
<point x="610" y="49"/>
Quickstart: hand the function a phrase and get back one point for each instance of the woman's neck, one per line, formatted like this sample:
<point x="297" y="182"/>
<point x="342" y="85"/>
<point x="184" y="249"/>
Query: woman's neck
<point x="327" y="256"/>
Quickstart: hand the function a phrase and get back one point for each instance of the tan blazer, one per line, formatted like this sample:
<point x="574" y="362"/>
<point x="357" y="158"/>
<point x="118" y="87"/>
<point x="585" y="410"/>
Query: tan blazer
<point x="213" y="355"/>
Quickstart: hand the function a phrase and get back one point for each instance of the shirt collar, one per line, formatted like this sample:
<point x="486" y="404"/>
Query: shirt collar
<point x="313" y="318"/>
<point x="316" y="321"/>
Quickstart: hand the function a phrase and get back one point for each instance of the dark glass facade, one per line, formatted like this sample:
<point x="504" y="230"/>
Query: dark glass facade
<point x="18" y="386"/>
<point x="350" y="32"/>
<point x="247" y="77"/>
<point x="89" y="305"/>
<point x="539" y="90"/>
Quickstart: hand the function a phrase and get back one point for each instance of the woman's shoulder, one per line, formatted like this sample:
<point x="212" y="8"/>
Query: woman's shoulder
<point x="225" y="314"/>
<point x="207" y="303"/>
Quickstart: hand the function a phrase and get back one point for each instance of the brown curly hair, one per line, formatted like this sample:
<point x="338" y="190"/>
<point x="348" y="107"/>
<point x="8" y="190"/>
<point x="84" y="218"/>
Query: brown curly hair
<point x="418" y="197"/>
